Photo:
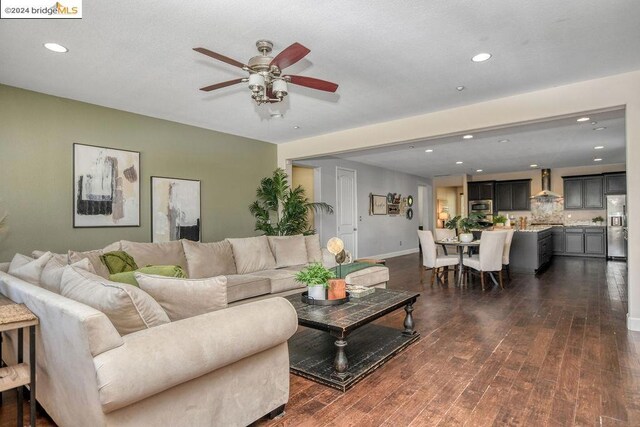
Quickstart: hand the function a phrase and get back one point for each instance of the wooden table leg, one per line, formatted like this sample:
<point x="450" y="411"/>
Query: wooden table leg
<point x="460" y="267"/>
<point x="340" y="362"/>
<point x="32" y="367"/>
<point x="408" y="320"/>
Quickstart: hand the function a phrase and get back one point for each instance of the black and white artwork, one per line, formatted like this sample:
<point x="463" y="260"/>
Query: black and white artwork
<point x="106" y="187"/>
<point x="175" y="209"/>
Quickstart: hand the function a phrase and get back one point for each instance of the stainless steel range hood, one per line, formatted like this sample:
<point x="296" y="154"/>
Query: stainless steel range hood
<point x="546" y="193"/>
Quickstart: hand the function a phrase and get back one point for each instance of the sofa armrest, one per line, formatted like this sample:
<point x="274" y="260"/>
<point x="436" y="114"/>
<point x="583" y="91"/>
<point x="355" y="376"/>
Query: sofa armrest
<point x="156" y="359"/>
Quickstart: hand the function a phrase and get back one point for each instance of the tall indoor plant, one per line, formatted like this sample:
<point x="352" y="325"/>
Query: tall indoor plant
<point x="281" y="210"/>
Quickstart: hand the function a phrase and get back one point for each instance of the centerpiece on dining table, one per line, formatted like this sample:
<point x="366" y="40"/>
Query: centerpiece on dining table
<point x="465" y="226"/>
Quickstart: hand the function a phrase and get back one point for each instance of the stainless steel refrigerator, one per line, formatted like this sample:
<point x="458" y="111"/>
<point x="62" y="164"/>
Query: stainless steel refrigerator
<point x="616" y="225"/>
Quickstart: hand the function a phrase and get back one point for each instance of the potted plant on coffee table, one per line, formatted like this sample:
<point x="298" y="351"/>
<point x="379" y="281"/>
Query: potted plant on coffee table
<point x="316" y="277"/>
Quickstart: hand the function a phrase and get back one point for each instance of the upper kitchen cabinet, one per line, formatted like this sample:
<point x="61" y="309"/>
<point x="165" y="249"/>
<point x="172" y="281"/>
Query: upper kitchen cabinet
<point x="615" y="183"/>
<point x="513" y="195"/>
<point x="481" y="190"/>
<point x="584" y="192"/>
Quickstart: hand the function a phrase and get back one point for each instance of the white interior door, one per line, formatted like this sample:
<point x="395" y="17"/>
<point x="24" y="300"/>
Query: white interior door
<point x="346" y="209"/>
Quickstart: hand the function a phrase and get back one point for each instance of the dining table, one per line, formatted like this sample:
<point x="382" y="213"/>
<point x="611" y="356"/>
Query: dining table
<point x="460" y="246"/>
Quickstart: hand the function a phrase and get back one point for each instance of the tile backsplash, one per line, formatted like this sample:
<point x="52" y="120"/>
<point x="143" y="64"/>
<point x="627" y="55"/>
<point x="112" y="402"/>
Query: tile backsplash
<point x="552" y="212"/>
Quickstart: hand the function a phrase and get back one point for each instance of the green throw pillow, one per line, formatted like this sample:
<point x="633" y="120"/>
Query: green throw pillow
<point x="159" y="270"/>
<point x="118" y="262"/>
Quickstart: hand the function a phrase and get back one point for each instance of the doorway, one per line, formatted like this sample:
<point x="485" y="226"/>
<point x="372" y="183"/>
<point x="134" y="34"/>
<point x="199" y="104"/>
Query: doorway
<point x="347" y="209"/>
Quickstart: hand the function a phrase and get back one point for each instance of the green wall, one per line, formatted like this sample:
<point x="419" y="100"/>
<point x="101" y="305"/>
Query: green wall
<point x="37" y="133"/>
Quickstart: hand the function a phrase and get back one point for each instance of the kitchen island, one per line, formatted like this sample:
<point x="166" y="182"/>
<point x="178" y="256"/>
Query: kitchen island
<point x="531" y="250"/>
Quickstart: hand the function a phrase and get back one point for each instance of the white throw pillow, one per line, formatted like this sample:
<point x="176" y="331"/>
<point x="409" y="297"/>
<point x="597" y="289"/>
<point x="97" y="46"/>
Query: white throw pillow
<point x="289" y="250"/>
<point x="209" y="259"/>
<point x="183" y="298"/>
<point x="27" y="268"/>
<point x="52" y="272"/>
<point x="163" y="253"/>
<point x="314" y="251"/>
<point x="130" y="309"/>
<point x="252" y="254"/>
<point x="94" y="258"/>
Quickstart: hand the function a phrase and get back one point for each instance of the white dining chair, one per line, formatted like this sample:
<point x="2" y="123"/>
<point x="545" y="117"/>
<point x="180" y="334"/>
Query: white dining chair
<point x="505" y="253"/>
<point x="431" y="260"/>
<point x="489" y="260"/>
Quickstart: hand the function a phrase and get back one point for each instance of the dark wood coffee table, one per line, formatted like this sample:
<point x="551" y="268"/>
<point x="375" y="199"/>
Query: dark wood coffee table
<point x="324" y="358"/>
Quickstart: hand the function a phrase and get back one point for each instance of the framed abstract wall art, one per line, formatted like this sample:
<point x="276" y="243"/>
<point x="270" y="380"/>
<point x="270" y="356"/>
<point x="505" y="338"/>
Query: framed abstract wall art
<point x="175" y="209"/>
<point x="106" y="187"/>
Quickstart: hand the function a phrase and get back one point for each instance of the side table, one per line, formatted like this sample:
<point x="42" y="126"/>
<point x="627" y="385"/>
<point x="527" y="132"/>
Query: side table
<point x="15" y="316"/>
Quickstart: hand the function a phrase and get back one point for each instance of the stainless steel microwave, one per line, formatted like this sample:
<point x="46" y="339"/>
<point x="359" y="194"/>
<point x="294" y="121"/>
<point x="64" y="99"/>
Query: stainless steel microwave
<point x="481" y="207"/>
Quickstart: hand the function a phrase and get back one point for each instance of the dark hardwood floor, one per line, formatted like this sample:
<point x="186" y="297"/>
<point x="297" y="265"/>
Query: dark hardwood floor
<point x="548" y="350"/>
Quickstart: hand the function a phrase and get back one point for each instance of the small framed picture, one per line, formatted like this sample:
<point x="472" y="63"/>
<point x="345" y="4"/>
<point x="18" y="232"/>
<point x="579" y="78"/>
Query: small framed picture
<point x="175" y="209"/>
<point x="378" y="204"/>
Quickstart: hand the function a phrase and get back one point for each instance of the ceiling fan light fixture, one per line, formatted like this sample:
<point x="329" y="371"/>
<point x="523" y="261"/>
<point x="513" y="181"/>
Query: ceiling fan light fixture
<point x="279" y="88"/>
<point x="256" y="82"/>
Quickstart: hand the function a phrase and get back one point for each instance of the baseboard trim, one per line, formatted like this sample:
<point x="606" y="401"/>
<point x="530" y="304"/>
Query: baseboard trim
<point x="633" y="323"/>
<point x="393" y="254"/>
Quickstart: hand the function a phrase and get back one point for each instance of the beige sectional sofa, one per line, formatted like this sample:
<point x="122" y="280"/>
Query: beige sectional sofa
<point x="227" y="367"/>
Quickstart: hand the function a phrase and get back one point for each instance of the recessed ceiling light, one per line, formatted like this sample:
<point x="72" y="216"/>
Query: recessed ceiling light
<point x="277" y="115"/>
<point x="55" y="47"/>
<point x="412" y="146"/>
<point x="296" y="127"/>
<point x="460" y="88"/>
<point x="599" y="147"/>
<point x="597" y="160"/>
<point x="429" y="150"/>
<point x="481" y="57"/>
<point x="478" y="170"/>
<point x="582" y="119"/>
<point x="533" y="165"/>
<point x="459" y="163"/>
<point x="467" y="137"/>
<point x="600" y="128"/>
<point x="594" y="122"/>
<point x="504" y="140"/>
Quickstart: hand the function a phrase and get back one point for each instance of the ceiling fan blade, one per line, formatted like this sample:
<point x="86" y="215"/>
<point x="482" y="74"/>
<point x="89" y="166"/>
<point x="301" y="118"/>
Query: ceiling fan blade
<point x="219" y="57"/>
<point x="290" y="56"/>
<point x="313" y="83"/>
<point x="221" y="85"/>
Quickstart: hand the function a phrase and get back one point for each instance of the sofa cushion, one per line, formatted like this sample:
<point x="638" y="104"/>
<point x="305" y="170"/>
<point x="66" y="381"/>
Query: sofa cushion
<point x="165" y="253"/>
<point x="208" y="259"/>
<point x="52" y="272"/>
<point x="314" y="251"/>
<point x="288" y="250"/>
<point x="371" y="276"/>
<point x="243" y="286"/>
<point x="280" y="280"/>
<point x="129" y="277"/>
<point x="94" y="257"/>
<point x="37" y="254"/>
<point x="118" y="262"/>
<point x="183" y="298"/>
<point x="130" y="309"/>
<point x="252" y="254"/>
<point x="27" y="268"/>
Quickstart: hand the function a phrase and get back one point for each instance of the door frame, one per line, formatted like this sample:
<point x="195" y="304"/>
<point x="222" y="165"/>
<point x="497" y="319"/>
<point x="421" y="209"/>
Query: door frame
<point x="355" y="207"/>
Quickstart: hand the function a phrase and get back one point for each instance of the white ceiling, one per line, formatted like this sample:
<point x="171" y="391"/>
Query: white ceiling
<point x="392" y="58"/>
<point x="551" y="144"/>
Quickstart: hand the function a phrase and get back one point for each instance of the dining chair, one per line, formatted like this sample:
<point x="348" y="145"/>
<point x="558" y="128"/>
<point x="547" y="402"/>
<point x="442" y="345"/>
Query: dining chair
<point x="442" y="234"/>
<point x="489" y="260"/>
<point x="431" y="260"/>
<point x="505" y="253"/>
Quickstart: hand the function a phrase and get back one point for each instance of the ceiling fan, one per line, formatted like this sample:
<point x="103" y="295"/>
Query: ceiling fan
<point x="266" y="81"/>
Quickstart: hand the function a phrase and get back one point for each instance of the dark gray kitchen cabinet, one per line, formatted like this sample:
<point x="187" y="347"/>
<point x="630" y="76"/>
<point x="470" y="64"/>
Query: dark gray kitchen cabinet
<point x="481" y="190"/>
<point x="585" y="192"/>
<point x="595" y="241"/>
<point x="593" y="193"/>
<point x="513" y="195"/>
<point x="574" y="241"/>
<point x="558" y="240"/>
<point x="530" y="251"/>
<point x="615" y="183"/>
